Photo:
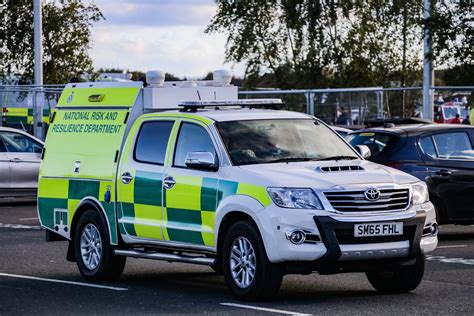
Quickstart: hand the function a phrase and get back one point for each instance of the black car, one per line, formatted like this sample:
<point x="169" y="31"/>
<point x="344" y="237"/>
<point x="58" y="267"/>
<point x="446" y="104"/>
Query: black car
<point x="441" y="155"/>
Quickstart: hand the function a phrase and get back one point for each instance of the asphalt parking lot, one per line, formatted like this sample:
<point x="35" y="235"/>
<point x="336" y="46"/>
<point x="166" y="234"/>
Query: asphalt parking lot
<point x="36" y="278"/>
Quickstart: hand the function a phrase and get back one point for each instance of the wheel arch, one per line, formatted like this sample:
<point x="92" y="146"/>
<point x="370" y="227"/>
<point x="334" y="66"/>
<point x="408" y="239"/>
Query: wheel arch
<point x="234" y="209"/>
<point x="88" y="203"/>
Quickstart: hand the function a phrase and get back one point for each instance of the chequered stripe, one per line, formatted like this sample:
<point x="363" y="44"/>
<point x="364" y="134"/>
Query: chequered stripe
<point x="23" y="115"/>
<point x="185" y="213"/>
<point x="67" y="194"/>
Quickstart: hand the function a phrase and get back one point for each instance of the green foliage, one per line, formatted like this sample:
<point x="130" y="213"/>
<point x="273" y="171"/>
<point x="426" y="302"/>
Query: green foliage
<point x="66" y="38"/>
<point x="452" y="25"/>
<point x="462" y="75"/>
<point x="324" y="43"/>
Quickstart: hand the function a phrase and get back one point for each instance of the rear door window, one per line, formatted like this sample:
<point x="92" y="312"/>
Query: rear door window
<point x="455" y="146"/>
<point x="427" y="145"/>
<point x="152" y="142"/>
<point x="377" y="142"/>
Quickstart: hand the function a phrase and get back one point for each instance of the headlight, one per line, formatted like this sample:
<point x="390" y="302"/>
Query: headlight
<point x="420" y="193"/>
<point x="295" y="198"/>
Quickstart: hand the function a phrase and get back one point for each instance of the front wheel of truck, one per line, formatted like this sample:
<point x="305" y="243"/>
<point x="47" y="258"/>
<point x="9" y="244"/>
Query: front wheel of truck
<point x="247" y="271"/>
<point x="94" y="254"/>
<point x="400" y="279"/>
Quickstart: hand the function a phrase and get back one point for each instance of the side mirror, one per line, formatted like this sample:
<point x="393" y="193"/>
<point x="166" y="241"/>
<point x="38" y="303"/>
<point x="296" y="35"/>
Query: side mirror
<point x="202" y="160"/>
<point x="364" y="151"/>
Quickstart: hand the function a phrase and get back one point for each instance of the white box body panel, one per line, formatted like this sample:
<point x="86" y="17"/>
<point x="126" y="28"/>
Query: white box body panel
<point x="169" y="97"/>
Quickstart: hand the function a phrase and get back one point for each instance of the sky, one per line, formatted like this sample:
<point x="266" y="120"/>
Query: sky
<point x="159" y="34"/>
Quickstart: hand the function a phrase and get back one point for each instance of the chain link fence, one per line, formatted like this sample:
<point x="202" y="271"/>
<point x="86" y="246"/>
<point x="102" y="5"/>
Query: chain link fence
<point x="356" y="106"/>
<point x="29" y="107"/>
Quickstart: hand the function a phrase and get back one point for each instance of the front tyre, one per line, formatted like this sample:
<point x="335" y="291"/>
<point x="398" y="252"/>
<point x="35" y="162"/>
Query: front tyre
<point x="94" y="254"/>
<point x="401" y="279"/>
<point x="247" y="271"/>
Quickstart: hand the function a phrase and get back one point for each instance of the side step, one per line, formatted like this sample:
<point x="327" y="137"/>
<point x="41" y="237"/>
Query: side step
<point x="165" y="257"/>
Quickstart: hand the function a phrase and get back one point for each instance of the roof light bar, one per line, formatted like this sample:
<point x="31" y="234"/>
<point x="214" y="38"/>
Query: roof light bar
<point x="241" y="102"/>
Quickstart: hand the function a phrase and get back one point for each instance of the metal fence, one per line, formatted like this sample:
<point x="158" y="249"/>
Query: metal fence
<point x="28" y="106"/>
<point x="354" y="106"/>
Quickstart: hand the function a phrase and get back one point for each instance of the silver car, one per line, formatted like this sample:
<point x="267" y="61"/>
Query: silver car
<point x="20" y="156"/>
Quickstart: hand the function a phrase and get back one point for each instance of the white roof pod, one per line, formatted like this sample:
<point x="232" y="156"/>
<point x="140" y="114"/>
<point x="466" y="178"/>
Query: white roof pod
<point x="222" y="77"/>
<point x="155" y="78"/>
<point x="168" y="95"/>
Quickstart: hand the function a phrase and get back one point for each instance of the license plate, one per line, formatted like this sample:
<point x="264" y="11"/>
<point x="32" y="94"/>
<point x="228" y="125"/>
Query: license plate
<point x="378" y="229"/>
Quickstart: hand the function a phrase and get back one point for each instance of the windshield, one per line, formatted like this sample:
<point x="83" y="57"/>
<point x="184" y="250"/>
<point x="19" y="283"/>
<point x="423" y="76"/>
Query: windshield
<point x="268" y="141"/>
<point x="449" y="112"/>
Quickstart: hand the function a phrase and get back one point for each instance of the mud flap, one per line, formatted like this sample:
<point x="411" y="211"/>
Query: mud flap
<point x="71" y="257"/>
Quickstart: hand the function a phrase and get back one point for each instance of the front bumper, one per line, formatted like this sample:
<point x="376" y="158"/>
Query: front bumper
<point x="333" y="239"/>
<point x="342" y="246"/>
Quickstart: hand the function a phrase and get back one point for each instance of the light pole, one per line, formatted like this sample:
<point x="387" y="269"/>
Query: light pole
<point x="38" y="43"/>
<point x="38" y="35"/>
<point x="428" y="79"/>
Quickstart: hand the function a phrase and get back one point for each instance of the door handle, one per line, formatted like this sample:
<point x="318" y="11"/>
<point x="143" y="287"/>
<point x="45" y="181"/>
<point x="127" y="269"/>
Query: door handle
<point x="126" y="178"/>
<point x="443" y="173"/>
<point x="169" y="182"/>
<point x="16" y="160"/>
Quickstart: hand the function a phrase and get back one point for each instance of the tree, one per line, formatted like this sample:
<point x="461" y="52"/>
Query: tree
<point x="452" y="27"/>
<point x="321" y="43"/>
<point x="66" y="38"/>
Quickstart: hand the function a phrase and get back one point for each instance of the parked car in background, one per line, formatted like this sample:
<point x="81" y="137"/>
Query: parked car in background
<point x="441" y="155"/>
<point x="446" y="113"/>
<point x="20" y="156"/>
<point x="341" y="130"/>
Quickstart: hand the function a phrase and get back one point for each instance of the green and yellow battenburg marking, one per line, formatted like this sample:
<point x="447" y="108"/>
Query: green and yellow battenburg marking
<point x="23" y="115"/>
<point x="185" y="213"/>
<point x="70" y="174"/>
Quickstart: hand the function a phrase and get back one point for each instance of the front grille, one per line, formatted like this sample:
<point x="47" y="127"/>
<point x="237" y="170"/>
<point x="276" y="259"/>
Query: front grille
<point x="346" y="236"/>
<point x="354" y="201"/>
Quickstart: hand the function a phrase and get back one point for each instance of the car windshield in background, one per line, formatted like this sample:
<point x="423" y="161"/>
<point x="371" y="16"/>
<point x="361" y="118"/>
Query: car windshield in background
<point x="376" y="142"/>
<point x="268" y="141"/>
<point x="449" y="112"/>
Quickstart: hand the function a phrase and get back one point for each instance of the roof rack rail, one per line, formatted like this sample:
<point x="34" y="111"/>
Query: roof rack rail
<point x="193" y="106"/>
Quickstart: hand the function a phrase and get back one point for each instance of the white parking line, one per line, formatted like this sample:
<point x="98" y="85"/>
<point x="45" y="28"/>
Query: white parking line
<point x="29" y="219"/>
<point x="63" y="282"/>
<point x="444" y="259"/>
<point x="449" y="283"/>
<point x="263" y="309"/>
<point x="19" y="226"/>
<point x="451" y="246"/>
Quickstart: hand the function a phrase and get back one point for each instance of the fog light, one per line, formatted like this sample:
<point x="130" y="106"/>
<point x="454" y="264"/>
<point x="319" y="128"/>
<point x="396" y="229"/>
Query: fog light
<point x="296" y="236"/>
<point x="434" y="229"/>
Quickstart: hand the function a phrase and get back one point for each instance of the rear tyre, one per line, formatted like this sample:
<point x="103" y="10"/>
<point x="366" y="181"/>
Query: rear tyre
<point x="94" y="254"/>
<point x="247" y="271"/>
<point x="401" y="279"/>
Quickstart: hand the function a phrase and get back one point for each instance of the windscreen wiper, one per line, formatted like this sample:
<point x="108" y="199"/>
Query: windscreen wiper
<point x="338" y="158"/>
<point x="291" y="159"/>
